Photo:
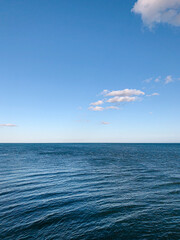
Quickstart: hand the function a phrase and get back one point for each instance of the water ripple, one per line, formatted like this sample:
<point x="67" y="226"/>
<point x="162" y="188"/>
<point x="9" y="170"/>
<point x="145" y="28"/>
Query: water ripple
<point x="89" y="191"/>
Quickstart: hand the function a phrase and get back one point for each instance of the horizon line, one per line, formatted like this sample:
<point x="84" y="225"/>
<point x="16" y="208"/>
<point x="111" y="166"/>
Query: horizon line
<point x="89" y="142"/>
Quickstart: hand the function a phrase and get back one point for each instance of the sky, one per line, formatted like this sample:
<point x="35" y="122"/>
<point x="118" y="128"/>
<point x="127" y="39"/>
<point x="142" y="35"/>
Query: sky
<point x="90" y="71"/>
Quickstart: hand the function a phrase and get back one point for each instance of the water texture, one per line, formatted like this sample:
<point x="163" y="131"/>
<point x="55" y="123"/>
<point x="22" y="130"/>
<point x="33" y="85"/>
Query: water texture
<point x="89" y="191"/>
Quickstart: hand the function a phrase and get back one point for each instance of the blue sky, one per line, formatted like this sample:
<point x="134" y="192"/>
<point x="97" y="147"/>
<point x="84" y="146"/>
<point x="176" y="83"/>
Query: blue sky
<point x="57" y="57"/>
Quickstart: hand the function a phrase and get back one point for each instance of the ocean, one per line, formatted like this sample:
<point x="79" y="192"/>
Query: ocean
<point x="89" y="191"/>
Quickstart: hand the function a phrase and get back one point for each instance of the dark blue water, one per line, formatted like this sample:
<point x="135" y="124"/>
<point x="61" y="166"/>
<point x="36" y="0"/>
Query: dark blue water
<point x="89" y="191"/>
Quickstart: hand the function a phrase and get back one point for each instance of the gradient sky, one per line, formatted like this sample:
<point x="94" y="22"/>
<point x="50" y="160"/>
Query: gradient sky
<point x="57" y="57"/>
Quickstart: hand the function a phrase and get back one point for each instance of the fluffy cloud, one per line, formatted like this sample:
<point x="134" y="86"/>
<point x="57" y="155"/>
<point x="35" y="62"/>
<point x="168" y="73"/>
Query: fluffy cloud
<point x="158" y="11"/>
<point x="125" y="93"/>
<point x="8" y="125"/>
<point x="119" y="96"/>
<point x="97" y="108"/>
<point x="100" y="102"/>
<point x="121" y="99"/>
<point x="168" y="79"/>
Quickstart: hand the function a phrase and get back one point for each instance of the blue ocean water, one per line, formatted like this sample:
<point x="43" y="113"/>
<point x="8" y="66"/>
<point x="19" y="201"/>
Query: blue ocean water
<point x="89" y="191"/>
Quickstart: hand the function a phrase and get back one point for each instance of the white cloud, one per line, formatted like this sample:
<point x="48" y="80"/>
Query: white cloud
<point x="97" y="103"/>
<point x="158" y="11"/>
<point x="121" y="99"/>
<point x="168" y="79"/>
<point x="125" y="93"/>
<point x="112" y="107"/>
<point x="8" y="125"/>
<point x="155" y="94"/>
<point x="119" y="96"/>
<point x="97" y="108"/>
<point x="105" y="123"/>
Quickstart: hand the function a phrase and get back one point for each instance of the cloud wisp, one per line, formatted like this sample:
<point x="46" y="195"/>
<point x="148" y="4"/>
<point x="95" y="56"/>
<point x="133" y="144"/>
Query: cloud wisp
<point x="96" y="109"/>
<point x="158" y="79"/>
<point x="151" y="80"/>
<point x="168" y="79"/>
<point x="105" y="123"/>
<point x="148" y="80"/>
<point x="8" y="125"/>
<point x="153" y="94"/>
<point x="100" y="102"/>
<point x="112" y="107"/>
<point x="158" y="11"/>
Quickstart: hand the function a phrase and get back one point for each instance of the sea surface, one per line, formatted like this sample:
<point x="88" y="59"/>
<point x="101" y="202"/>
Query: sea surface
<point x="89" y="191"/>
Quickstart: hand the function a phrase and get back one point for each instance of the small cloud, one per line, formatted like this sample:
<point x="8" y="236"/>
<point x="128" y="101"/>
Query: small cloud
<point x="168" y="79"/>
<point x="105" y="123"/>
<point x="121" y="99"/>
<point x="97" y="108"/>
<point x="157" y="79"/>
<point x="158" y="11"/>
<point x="125" y="93"/>
<point x="104" y="92"/>
<point x="8" y="125"/>
<point x="119" y="96"/>
<point x="155" y="94"/>
<point x="100" y="102"/>
<point x="150" y="113"/>
<point x="148" y="80"/>
<point x="112" y="107"/>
